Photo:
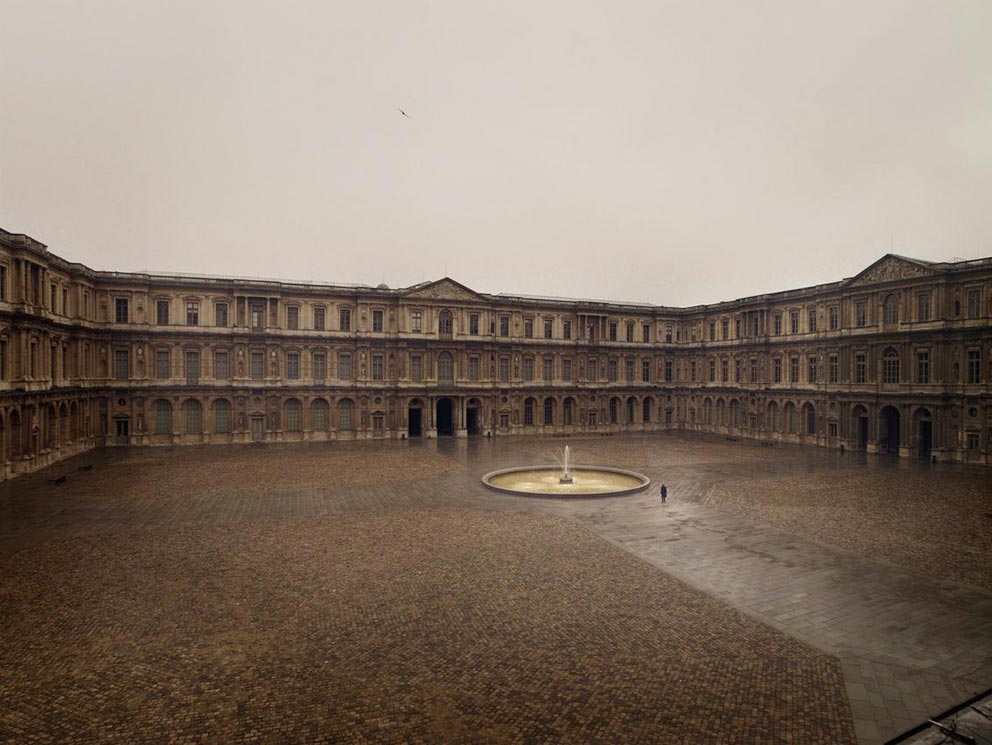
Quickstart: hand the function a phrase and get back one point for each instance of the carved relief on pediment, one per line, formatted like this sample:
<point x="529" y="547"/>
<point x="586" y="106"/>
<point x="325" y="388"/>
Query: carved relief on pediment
<point x="444" y="289"/>
<point x="889" y="269"/>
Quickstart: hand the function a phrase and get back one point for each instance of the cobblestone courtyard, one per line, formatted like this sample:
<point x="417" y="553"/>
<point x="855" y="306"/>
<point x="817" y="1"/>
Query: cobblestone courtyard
<point x="375" y="591"/>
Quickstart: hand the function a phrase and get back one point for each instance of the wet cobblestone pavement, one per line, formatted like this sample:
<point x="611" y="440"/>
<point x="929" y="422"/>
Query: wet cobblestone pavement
<point x="194" y="592"/>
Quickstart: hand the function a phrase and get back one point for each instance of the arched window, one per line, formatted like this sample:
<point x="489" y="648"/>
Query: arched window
<point x="193" y="414"/>
<point x="549" y="410"/>
<point x="444" y="322"/>
<point x="293" y="410"/>
<point x="345" y="410"/>
<point x="708" y="408"/>
<point x="890" y="313"/>
<point x="646" y="409"/>
<point x="810" y="419"/>
<point x="445" y="368"/>
<point x="791" y="418"/>
<point x="631" y="409"/>
<point x="721" y="409"/>
<point x="890" y="365"/>
<point x="614" y="410"/>
<point x="320" y="410"/>
<point x="222" y="416"/>
<point x="528" y="412"/>
<point x="569" y="409"/>
<point x="163" y="417"/>
<point x="774" y="423"/>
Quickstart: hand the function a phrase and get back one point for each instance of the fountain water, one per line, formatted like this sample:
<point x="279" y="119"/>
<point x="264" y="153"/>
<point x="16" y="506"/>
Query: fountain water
<point x="565" y="462"/>
<point x="569" y="480"/>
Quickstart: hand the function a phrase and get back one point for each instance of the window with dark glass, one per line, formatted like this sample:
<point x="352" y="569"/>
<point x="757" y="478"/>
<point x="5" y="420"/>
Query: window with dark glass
<point x="293" y="365"/>
<point x="473" y="368"/>
<point x="861" y="313"/>
<point x="344" y="319"/>
<point x="890" y="309"/>
<point x="504" y="369"/>
<point x="528" y="368"/>
<point x="445" y="368"/>
<point x="793" y="369"/>
<point x="378" y="372"/>
<point x="811" y="320"/>
<point x="548" y="371"/>
<point x="529" y="328"/>
<point x="668" y="371"/>
<point x="162" y="364"/>
<point x="344" y="367"/>
<point x="220" y="314"/>
<point x="416" y="367"/>
<point x="923" y="306"/>
<point x="630" y="331"/>
<point x="122" y="364"/>
<point x="777" y="370"/>
<point x="811" y="369"/>
<point x="833" y="317"/>
<point x="566" y="329"/>
<point x="612" y="374"/>
<point x="257" y="316"/>
<point x="566" y="369"/>
<point x="257" y="365"/>
<point x="222" y="369"/>
<point x="778" y="324"/>
<point x="377" y="321"/>
<point x="549" y="326"/>
<point x="504" y="325"/>
<point x="445" y="322"/>
<point x="974" y="366"/>
<point x="121" y="310"/>
<point x="860" y="369"/>
<point x="473" y="324"/>
<point x="974" y="303"/>
<point x="613" y="331"/>
<point x="890" y="366"/>
<point x="162" y="312"/>
<point x="645" y="371"/>
<point x="192" y="368"/>
<point x="319" y="366"/>
<point x="832" y="369"/>
<point x="923" y="367"/>
<point x="293" y="317"/>
<point x="319" y="319"/>
<point x="794" y="322"/>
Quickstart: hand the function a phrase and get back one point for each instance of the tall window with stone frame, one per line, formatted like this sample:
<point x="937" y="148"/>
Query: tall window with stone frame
<point x="163" y="417"/>
<point x="162" y="312"/>
<point x="504" y="325"/>
<point x="344" y="319"/>
<point x="793" y="321"/>
<point x="890" y="366"/>
<point x="692" y="371"/>
<point x="777" y="370"/>
<point x="192" y="313"/>
<point x="122" y="364"/>
<point x="378" y="368"/>
<point x="528" y="412"/>
<point x="754" y="369"/>
<point x="549" y="411"/>
<point x="974" y="303"/>
<point x="416" y="321"/>
<point x="737" y="370"/>
<point x="162" y="371"/>
<point x="833" y="369"/>
<point x="712" y="330"/>
<point x="890" y="309"/>
<point x="612" y="374"/>
<point x="293" y="415"/>
<point x="668" y="334"/>
<point x="724" y="369"/>
<point x="629" y="371"/>
<point x="793" y="369"/>
<point x="923" y="306"/>
<point x="3" y="281"/>
<point x="645" y="371"/>
<point x="592" y="369"/>
<point x="630" y="331"/>
<point x="319" y="319"/>
<point x="645" y="333"/>
<point x="378" y="321"/>
<point x="860" y="368"/>
<point x="974" y="366"/>
<point x="833" y="318"/>
<point x="121" y="310"/>
<point x="613" y="331"/>
<point x="319" y="366"/>
<point x="220" y="315"/>
<point x="446" y="367"/>
<point x="923" y="366"/>
<point x="549" y="328"/>
<point x="257" y="365"/>
<point x="528" y="328"/>
<point x="668" y="371"/>
<point x="192" y="367"/>
<point x="345" y="410"/>
<point x="614" y="410"/>
<point x="712" y="370"/>
<point x="549" y="368"/>
<point x="292" y="317"/>
<point x="222" y="367"/>
<point x="473" y="368"/>
<point x="473" y="324"/>
<point x="811" y="320"/>
<point x="528" y="368"/>
<point x="777" y="321"/>
<point x="504" y="369"/>
<point x="811" y="370"/>
<point x="222" y="416"/>
<point x="566" y="329"/>
<point x="320" y="411"/>
<point x="860" y="313"/>
<point x="293" y="365"/>
<point x="258" y="316"/>
<point x="445" y="323"/>
<point x="566" y="369"/>
<point x="193" y="414"/>
<point x="344" y="367"/>
<point x="416" y="367"/>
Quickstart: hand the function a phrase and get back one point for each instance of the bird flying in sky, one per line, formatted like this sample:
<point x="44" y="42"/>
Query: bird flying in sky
<point x="403" y="112"/>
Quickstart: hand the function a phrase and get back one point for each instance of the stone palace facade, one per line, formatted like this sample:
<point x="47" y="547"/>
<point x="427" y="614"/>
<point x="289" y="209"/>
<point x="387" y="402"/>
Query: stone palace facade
<point x="894" y="360"/>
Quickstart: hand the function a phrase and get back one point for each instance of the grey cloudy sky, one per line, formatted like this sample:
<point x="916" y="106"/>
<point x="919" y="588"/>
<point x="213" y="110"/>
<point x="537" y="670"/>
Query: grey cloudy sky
<point x="666" y="152"/>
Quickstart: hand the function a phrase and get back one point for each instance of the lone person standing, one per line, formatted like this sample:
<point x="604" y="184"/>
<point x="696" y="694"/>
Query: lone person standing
<point x="664" y="493"/>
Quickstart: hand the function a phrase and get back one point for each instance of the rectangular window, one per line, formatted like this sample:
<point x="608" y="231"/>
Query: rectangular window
<point x="712" y="328"/>
<point x="192" y="314"/>
<point x="923" y="367"/>
<point x="692" y="371"/>
<point x="566" y="369"/>
<point x="724" y="370"/>
<point x="794" y="322"/>
<point x="293" y="317"/>
<point x="833" y="317"/>
<point x="120" y="310"/>
<point x="473" y="368"/>
<point x="377" y="321"/>
<point x="378" y="372"/>
<point x="645" y="333"/>
<point x="222" y="368"/>
<point x="860" y="369"/>
<point x="923" y="306"/>
<point x="192" y="368"/>
<point x="629" y="370"/>
<point x="613" y="331"/>
<point x="319" y="366"/>
<point x="473" y="324"/>
<point x="344" y="367"/>
<point x="724" y="329"/>
<point x="811" y="369"/>
<point x="974" y="303"/>
<point x="612" y="371"/>
<point x="528" y="368"/>
<point x="504" y="325"/>
<point x="416" y="367"/>
<point x="416" y="320"/>
<point x="163" y="419"/>
<point x="811" y="320"/>
<point x="793" y="369"/>
<point x="668" y="371"/>
<point x="529" y="328"/>
<point x="52" y="289"/>
<point x="257" y="365"/>
<point x="974" y="366"/>
<point x="549" y="327"/>
<point x="162" y="364"/>
<point x="344" y="319"/>
<point x="754" y="370"/>
<point x="645" y="371"/>
<point x="833" y="369"/>
<point x="504" y="369"/>
<point x="566" y="329"/>
<point x="3" y="281"/>
<point x="162" y="312"/>
<point x="257" y="316"/>
<point x="668" y="334"/>
<point x="319" y="319"/>
<point x="220" y="314"/>
<point x="549" y="368"/>
<point x="712" y="369"/>
<point x="777" y="370"/>
<point x="630" y="332"/>
<point x="861" y="313"/>
<point x="293" y="365"/>
<point x="778" y="324"/>
<point x="737" y="370"/>
<point x="122" y="364"/>
<point x="592" y="369"/>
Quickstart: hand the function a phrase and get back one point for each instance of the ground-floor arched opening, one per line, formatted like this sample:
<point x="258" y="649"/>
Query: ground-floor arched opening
<point x="415" y="418"/>
<point x="924" y="432"/>
<point x="445" y="417"/>
<point x="888" y="433"/>
<point x="859" y="424"/>
<point x="473" y="417"/>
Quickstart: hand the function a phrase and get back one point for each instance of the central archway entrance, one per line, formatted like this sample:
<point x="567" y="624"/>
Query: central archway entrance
<point x="445" y="417"/>
<point x="924" y="433"/>
<point x="472" y="417"/>
<point x="415" y="419"/>
<point x="889" y="429"/>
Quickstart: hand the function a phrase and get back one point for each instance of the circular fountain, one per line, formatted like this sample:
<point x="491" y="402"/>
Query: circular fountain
<point x="566" y="480"/>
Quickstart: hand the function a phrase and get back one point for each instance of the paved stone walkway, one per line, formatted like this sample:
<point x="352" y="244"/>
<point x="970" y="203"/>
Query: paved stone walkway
<point x="910" y="645"/>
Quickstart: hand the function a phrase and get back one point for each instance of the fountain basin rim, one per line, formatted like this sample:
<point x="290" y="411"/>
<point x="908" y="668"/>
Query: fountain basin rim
<point x="645" y="482"/>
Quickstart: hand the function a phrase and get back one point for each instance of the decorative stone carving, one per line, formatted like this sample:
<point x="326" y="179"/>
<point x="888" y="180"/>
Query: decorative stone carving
<point x="444" y="289"/>
<point x="890" y="268"/>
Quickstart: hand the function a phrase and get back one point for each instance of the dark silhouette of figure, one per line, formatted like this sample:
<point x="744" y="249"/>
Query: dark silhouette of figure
<point x="664" y="493"/>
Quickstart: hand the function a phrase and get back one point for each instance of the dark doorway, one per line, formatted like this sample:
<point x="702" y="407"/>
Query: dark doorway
<point x="862" y="433"/>
<point x="445" y="418"/>
<point x="123" y="425"/>
<point x="890" y="429"/>
<point x="472" y="420"/>
<point x="257" y="428"/>
<point x="415" y="422"/>
<point x="926" y="439"/>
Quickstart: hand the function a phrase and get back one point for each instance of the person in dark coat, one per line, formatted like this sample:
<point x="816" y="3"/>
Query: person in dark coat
<point x="664" y="493"/>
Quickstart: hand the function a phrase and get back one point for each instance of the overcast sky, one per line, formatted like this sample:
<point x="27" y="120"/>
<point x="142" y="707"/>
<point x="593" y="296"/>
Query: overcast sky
<point x="664" y="152"/>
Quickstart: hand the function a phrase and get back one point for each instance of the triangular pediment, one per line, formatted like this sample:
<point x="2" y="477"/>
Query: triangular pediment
<point x="891" y="267"/>
<point x="442" y="289"/>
